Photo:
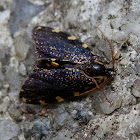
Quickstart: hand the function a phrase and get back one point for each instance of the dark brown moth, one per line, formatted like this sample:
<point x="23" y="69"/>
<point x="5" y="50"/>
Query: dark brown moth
<point x="65" y="67"/>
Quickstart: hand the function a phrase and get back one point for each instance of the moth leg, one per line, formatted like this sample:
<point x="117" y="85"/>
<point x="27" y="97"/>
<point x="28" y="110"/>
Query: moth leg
<point x="97" y="86"/>
<point x="121" y="44"/>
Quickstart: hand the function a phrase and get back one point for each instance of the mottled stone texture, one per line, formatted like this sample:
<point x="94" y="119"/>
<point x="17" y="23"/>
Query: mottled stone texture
<point x="74" y="119"/>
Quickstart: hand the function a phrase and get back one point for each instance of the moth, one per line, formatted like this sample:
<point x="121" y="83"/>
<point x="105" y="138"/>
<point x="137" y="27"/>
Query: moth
<point x="65" y="68"/>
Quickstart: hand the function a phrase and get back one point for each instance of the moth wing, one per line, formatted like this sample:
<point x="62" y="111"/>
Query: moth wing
<point x="52" y="43"/>
<point x="46" y="85"/>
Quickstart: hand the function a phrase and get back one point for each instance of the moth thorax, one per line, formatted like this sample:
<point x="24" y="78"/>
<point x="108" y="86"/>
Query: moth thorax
<point x="96" y="69"/>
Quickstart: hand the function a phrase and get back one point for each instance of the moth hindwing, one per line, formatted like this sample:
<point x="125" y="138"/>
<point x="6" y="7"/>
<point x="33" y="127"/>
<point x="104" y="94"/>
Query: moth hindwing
<point x="65" y="68"/>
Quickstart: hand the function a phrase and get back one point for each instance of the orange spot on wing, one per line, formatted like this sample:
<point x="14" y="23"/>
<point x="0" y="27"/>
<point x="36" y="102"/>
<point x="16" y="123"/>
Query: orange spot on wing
<point x="24" y="99"/>
<point x="54" y="64"/>
<point x="42" y="102"/>
<point x="72" y="38"/>
<point x="59" y="99"/>
<point x="84" y="46"/>
<point x="76" y="93"/>
<point x="56" y="30"/>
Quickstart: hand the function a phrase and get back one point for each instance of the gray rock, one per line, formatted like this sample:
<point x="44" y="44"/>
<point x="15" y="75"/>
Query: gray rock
<point x="8" y="129"/>
<point x="2" y="53"/>
<point x="129" y="99"/>
<point x="13" y="78"/>
<point x="22" y="13"/>
<point x="82" y="117"/>
<point x="136" y="88"/>
<point x="22" y="69"/>
<point x="64" y="135"/>
<point x="1" y="75"/>
<point x="107" y="108"/>
<point x="5" y="103"/>
<point x="136" y="129"/>
<point x="21" y="48"/>
<point x="117" y="20"/>
<point x="61" y="116"/>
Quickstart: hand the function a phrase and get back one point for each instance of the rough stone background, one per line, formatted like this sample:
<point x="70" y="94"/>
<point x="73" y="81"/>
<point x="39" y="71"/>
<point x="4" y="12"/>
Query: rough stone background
<point x="73" y="120"/>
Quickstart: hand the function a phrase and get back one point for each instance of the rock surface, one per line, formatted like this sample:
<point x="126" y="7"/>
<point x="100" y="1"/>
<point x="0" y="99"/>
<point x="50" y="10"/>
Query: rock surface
<point x="73" y="120"/>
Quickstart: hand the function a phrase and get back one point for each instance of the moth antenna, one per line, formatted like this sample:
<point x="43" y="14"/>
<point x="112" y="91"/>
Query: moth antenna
<point x="110" y="46"/>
